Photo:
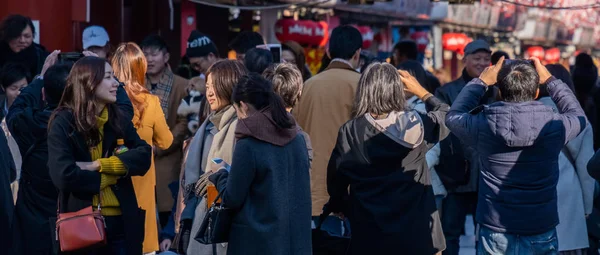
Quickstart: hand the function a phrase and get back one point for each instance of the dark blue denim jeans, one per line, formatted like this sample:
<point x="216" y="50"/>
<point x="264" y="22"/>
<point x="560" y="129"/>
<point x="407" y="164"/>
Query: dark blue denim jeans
<point x="493" y="243"/>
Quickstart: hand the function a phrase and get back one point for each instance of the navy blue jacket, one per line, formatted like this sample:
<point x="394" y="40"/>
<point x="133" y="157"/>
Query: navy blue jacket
<point x="518" y="146"/>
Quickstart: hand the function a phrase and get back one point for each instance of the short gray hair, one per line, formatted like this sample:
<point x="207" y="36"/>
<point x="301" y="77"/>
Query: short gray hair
<point x="379" y="91"/>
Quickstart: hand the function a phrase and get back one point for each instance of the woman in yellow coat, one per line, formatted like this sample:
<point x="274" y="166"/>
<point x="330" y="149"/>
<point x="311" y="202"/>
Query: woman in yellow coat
<point x="130" y="65"/>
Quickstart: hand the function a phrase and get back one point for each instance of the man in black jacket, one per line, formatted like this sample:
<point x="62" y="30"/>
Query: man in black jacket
<point x="455" y="158"/>
<point x="35" y="209"/>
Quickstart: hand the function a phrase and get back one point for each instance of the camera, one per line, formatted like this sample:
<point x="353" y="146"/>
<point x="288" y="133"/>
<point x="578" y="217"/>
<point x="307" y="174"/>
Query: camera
<point x="513" y="61"/>
<point x="69" y="57"/>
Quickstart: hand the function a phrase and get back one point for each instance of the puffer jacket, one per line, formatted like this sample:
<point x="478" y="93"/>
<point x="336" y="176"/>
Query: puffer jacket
<point x="518" y="146"/>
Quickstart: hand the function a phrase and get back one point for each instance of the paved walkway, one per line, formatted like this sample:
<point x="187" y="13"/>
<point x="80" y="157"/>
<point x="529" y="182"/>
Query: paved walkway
<point x="467" y="242"/>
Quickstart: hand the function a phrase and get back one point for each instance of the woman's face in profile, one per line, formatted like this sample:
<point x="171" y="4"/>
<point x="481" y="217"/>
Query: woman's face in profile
<point x="106" y="91"/>
<point x="21" y="42"/>
<point x="215" y="101"/>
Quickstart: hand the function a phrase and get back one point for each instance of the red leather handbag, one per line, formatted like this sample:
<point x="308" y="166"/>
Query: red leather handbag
<point x="82" y="229"/>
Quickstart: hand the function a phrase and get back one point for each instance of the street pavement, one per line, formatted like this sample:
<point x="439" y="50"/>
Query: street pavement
<point x="467" y="242"/>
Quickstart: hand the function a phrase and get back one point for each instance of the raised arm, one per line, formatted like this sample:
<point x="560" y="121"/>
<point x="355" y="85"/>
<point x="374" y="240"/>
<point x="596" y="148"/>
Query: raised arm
<point x="23" y="111"/>
<point x="573" y="116"/>
<point x="459" y="120"/>
<point x="435" y="121"/>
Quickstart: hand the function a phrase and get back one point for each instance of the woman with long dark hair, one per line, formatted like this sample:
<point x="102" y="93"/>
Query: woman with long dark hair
<point x="130" y="66"/>
<point x="269" y="183"/>
<point x="82" y="135"/>
<point x="380" y="158"/>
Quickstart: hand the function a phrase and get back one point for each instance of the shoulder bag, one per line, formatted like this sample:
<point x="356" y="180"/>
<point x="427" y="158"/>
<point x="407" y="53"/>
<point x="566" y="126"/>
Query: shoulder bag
<point x="81" y="229"/>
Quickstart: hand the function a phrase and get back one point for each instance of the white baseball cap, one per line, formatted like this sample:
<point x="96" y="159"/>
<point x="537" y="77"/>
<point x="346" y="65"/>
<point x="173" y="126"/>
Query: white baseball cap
<point x="94" y="36"/>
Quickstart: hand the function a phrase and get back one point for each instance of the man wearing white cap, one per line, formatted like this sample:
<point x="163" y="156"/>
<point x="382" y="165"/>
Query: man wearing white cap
<point x="95" y="39"/>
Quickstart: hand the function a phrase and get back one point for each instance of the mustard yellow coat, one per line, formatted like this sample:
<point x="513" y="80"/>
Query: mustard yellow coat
<point x="155" y="131"/>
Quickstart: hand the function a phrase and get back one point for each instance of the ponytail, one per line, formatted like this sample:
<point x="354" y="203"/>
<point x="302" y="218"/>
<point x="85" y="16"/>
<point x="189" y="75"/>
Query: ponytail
<point x="278" y="112"/>
<point x="255" y="90"/>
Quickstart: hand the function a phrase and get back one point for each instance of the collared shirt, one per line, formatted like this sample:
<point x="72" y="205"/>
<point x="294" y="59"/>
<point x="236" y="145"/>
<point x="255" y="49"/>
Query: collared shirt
<point x="162" y="89"/>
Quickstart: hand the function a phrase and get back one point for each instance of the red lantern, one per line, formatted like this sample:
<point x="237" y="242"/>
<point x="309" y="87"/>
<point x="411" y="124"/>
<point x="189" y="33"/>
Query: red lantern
<point x="455" y="42"/>
<point x="302" y="31"/>
<point x="422" y="40"/>
<point x="535" y="51"/>
<point x="552" y="55"/>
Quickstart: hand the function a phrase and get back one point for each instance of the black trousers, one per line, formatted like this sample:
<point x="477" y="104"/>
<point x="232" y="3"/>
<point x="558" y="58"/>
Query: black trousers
<point x="456" y="208"/>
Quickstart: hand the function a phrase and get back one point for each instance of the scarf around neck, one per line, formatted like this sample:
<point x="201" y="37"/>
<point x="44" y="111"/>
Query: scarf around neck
<point x="215" y="119"/>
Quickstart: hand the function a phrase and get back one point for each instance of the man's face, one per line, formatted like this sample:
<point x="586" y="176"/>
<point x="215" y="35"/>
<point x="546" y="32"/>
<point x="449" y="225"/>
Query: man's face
<point x="201" y="64"/>
<point x="102" y="52"/>
<point x="477" y="62"/>
<point x="13" y="91"/>
<point x="157" y="60"/>
<point x="22" y="41"/>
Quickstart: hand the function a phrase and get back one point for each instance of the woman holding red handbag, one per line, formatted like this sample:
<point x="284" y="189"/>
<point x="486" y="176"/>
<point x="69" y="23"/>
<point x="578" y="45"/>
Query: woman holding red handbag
<point x="82" y="135"/>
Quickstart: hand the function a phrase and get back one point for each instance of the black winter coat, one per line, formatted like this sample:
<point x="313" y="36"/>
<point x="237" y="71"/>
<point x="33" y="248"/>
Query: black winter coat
<point x="77" y="187"/>
<point x="383" y="185"/>
<point x="8" y="173"/>
<point x="35" y="209"/>
<point x="269" y="187"/>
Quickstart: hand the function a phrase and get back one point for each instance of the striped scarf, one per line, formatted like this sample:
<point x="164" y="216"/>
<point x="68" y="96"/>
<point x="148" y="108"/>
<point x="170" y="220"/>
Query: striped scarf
<point x="163" y="89"/>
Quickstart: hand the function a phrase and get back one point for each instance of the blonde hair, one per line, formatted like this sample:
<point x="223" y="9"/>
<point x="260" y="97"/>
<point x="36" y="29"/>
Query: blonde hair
<point x="129" y="65"/>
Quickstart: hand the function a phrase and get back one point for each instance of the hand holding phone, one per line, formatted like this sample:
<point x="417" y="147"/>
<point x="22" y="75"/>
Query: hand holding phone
<point x="221" y="164"/>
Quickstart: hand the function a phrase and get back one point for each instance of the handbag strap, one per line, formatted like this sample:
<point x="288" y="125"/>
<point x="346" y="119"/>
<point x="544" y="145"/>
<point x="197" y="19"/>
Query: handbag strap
<point x="219" y="195"/>
<point x="99" y="208"/>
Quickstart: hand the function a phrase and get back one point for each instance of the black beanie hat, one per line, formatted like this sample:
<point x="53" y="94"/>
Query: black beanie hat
<point x="199" y="45"/>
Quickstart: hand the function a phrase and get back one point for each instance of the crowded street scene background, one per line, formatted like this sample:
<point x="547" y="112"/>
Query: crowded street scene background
<point x="205" y="127"/>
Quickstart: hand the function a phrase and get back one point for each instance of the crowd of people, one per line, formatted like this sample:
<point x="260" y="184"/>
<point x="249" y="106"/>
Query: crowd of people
<point x="364" y="157"/>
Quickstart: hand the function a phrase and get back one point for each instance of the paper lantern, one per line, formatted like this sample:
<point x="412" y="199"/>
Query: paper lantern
<point x="305" y="32"/>
<point x="536" y="51"/>
<point x="367" y="35"/>
<point x="552" y="55"/>
<point x="421" y="38"/>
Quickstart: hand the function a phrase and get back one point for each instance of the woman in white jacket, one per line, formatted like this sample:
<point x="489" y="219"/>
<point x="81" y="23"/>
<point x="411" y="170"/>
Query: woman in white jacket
<point x="575" y="186"/>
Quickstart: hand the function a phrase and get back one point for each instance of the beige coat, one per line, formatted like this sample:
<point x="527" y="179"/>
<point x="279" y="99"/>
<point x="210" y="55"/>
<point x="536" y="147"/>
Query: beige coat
<point x="326" y="104"/>
<point x="168" y="162"/>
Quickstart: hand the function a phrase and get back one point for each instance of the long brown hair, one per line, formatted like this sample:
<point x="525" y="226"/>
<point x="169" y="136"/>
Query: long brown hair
<point x="129" y="64"/>
<point x="225" y="75"/>
<point x="79" y="99"/>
